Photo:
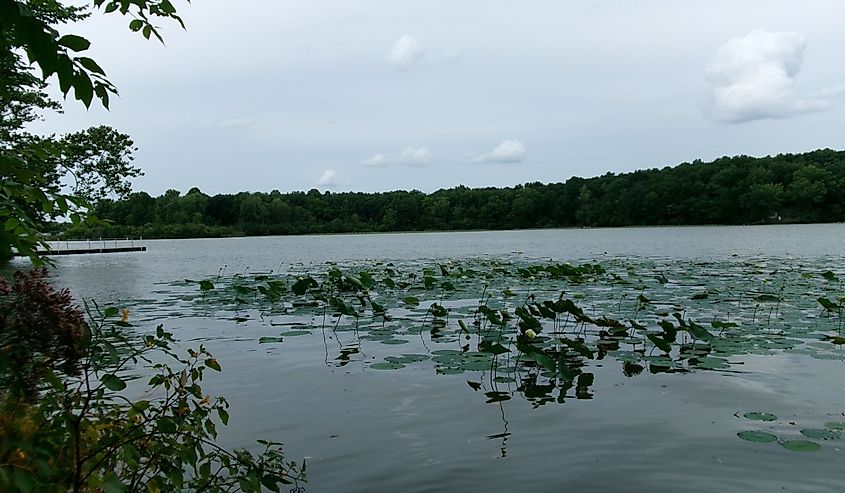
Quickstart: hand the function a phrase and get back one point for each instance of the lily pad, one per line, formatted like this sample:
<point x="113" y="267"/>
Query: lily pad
<point x="406" y="358"/>
<point x="820" y="434"/>
<point x="757" y="436"/>
<point x="757" y="416"/>
<point x="801" y="446"/>
<point x="387" y="365"/>
<point x="293" y="333"/>
<point x="393" y="341"/>
<point x="835" y="425"/>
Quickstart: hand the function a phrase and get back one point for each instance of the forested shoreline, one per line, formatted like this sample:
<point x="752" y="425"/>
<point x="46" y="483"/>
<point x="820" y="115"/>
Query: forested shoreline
<point x="807" y="187"/>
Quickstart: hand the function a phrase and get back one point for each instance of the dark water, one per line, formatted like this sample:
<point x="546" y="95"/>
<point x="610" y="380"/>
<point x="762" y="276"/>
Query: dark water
<point x="416" y="430"/>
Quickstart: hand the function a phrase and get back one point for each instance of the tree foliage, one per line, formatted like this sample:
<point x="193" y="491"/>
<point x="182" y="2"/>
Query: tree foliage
<point x="806" y="187"/>
<point x="48" y="176"/>
<point x="68" y="421"/>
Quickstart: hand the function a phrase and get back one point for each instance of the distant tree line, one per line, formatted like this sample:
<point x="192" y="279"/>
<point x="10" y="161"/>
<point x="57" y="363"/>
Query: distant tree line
<point x="807" y="187"/>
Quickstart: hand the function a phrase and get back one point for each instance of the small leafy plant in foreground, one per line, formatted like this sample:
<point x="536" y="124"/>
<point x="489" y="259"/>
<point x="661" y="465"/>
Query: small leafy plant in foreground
<point x="66" y="423"/>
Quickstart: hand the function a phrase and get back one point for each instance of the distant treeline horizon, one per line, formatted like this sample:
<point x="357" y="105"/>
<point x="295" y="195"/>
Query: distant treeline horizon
<point x="794" y="188"/>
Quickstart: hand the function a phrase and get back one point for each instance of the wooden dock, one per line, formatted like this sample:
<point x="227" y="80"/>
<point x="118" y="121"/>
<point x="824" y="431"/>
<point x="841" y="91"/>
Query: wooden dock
<point x="85" y="247"/>
<point x="83" y="251"/>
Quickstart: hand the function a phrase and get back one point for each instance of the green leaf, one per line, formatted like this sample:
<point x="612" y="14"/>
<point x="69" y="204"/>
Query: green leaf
<point x="801" y="446"/>
<point x="758" y="416"/>
<point x="411" y="300"/>
<point x="820" y="434"/>
<point x="113" y="484"/>
<point x="438" y="310"/>
<point x="113" y="382"/>
<point x="213" y="364"/>
<point x="206" y="285"/>
<point x="490" y="347"/>
<point x="223" y="415"/>
<point x="757" y="436"/>
<point x="660" y="342"/>
<point x="301" y="286"/>
<point x="698" y="331"/>
<point x="83" y="88"/>
<point x="166" y="425"/>
<point x="828" y="305"/>
<point x="23" y="481"/>
<point x="73" y="42"/>
<point x="135" y="25"/>
<point x="90" y="65"/>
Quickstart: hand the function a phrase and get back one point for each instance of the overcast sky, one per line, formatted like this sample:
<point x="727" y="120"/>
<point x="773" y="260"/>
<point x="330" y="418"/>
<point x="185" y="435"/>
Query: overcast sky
<point x="259" y="95"/>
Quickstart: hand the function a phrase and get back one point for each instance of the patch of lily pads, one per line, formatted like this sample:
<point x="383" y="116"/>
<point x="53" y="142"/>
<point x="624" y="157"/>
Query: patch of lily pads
<point x="547" y="320"/>
<point x="831" y="431"/>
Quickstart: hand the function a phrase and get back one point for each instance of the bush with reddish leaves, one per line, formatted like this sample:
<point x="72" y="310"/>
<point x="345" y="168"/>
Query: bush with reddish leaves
<point x="40" y="328"/>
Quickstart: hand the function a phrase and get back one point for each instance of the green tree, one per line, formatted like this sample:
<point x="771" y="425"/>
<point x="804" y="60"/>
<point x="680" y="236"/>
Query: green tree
<point x="32" y="167"/>
<point x="65" y="425"/>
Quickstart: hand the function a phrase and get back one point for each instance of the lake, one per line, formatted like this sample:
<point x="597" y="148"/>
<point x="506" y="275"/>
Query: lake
<point x="414" y="400"/>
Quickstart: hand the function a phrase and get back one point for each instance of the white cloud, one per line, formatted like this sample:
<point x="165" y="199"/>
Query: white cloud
<point x="509" y="151"/>
<point x="328" y="179"/>
<point x="408" y="53"/>
<point x="410" y="156"/>
<point x="375" y="160"/>
<point x="753" y="77"/>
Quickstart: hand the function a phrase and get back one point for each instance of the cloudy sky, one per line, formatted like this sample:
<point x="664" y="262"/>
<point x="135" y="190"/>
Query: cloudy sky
<point x="382" y="95"/>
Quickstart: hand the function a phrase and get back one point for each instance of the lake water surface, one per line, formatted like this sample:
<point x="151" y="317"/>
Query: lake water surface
<point x="419" y="428"/>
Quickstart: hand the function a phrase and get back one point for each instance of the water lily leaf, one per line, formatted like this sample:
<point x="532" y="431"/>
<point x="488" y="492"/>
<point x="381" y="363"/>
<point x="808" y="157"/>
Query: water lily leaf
<point x="820" y="434"/>
<point x="801" y="446"/>
<point x="758" y="416"/>
<point x="293" y="333"/>
<point x="835" y="425"/>
<point x="490" y="347"/>
<point x="387" y="365"/>
<point x="710" y="363"/>
<point x="757" y="436"/>
<point x="301" y="286"/>
<point x="393" y="342"/>
<point x="268" y="340"/>
<point x="411" y="300"/>
<point x="438" y="310"/>
<point x="828" y="305"/>
<point x="661" y="343"/>
<point x="406" y="358"/>
<point x="698" y="331"/>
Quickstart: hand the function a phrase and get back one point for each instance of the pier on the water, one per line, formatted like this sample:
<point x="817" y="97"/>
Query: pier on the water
<point x="100" y="245"/>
